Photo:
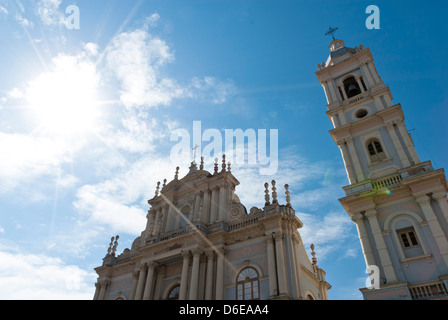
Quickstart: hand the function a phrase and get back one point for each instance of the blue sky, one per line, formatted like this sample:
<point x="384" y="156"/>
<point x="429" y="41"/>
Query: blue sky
<point x="86" y="117"/>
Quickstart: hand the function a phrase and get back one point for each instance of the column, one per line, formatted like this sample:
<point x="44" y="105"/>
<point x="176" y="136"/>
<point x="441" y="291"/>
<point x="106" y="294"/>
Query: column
<point x="361" y="87"/>
<point x="397" y="144"/>
<point x="333" y="94"/>
<point x="281" y="269"/>
<point x="437" y="232"/>
<point x="103" y="289"/>
<point x="209" y="277"/>
<point x="163" y="218"/>
<point x="348" y="165"/>
<point x="141" y="282"/>
<point x="344" y="94"/>
<point x="169" y="219"/>
<point x="273" y="290"/>
<point x="206" y="206"/>
<point x="161" y="270"/>
<point x="358" y="219"/>
<point x="156" y="221"/>
<point x="195" y="275"/>
<point x="223" y="190"/>
<point x="295" y="291"/>
<point x="441" y="199"/>
<point x="149" y="280"/>
<point x="407" y="141"/>
<point x="214" y="204"/>
<point x="197" y="204"/>
<point x="296" y="241"/>
<point x="97" y="291"/>
<point x="220" y="275"/>
<point x="134" y="284"/>
<point x="368" y="75"/>
<point x="355" y="159"/>
<point x="378" y="103"/>
<point x="373" y="72"/>
<point x="150" y="223"/>
<point x="184" y="277"/>
<point x="385" y="261"/>
<point x="327" y="94"/>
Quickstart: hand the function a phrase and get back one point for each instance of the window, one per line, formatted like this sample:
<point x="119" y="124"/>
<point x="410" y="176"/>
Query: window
<point x="174" y="293"/>
<point x="351" y="87"/>
<point x="361" y="113"/>
<point x="247" y="285"/>
<point x="376" y="151"/>
<point x="185" y="216"/>
<point x="408" y="238"/>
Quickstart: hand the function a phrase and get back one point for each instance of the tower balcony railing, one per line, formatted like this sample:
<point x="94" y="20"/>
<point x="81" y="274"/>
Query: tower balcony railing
<point x="428" y="291"/>
<point x="389" y="181"/>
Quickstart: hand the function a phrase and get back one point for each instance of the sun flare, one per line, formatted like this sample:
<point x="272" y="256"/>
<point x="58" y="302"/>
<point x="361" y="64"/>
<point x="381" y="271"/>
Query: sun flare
<point x="64" y="100"/>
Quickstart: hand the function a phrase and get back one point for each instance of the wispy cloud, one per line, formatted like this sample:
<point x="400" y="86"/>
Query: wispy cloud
<point x="37" y="276"/>
<point x="49" y="12"/>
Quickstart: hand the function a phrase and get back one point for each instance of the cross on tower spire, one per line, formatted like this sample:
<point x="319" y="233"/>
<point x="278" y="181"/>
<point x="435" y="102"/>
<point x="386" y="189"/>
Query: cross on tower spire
<point x="331" y="32"/>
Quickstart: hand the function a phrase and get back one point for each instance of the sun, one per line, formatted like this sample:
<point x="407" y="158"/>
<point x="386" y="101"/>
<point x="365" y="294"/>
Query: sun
<point x="64" y="100"/>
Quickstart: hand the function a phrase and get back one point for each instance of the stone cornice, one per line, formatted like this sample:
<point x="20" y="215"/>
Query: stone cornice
<point x="389" y="114"/>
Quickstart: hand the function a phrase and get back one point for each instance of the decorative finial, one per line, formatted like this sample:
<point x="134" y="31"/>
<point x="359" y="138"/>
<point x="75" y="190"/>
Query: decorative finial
<point x="164" y="183"/>
<point x="228" y="166"/>
<point x="176" y="176"/>
<point x="223" y="166"/>
<point x="313" y="254"/>
<point x="288" y="198"/>
<point x="157" y="188"/>
<point x="114" y="249"/>
<point x="201" y="167"/>
<point x="331" y="32"/>
<point x="216" y="166"/>
<point x="266" y="197"/>
<point x="274" y="192"/>
<point x="110" y="245"/>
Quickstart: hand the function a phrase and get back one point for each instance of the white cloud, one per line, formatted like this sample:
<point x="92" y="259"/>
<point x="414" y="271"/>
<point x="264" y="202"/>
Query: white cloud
<point x="328" y="232"/>
<point x="213" y="89"/>
<point x="3" y="10"/>
<point x="120" y="202"/>
<point x="24" y="21"/>
<point x="26" y="276"/>
<point x="135" y="58"/>
<point x="26" y="158"/>
<point x="137" y="135"/>
<point x="49" y="12"/>
<point x="152" y="20"/>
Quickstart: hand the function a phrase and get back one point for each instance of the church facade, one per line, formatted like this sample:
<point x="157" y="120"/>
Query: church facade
<point x="397" y="202"/>
<point x="201" y="243"/>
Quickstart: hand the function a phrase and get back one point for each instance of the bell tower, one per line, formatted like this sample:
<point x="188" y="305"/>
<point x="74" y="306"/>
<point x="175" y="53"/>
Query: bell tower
<point x="397" y="202"/>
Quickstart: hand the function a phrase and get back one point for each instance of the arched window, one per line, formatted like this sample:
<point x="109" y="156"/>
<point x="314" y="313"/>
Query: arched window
<point x="174" y="293"/>
<point x="351" y="87"/>
<point x="309" y="297"/>
<point x="247" y="285"/>
<point x="376" y="152"/>
<point x="185" y="217"/>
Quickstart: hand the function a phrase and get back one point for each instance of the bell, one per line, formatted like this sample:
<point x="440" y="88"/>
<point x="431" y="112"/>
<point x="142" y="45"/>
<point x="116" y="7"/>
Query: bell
<point x="353" y="90"/>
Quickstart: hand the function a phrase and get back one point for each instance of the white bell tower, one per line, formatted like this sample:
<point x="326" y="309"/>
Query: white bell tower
<point x="397" y="202"/>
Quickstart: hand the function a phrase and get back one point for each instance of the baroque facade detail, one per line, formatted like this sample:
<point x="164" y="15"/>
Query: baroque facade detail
<point x="201" y="243"/>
